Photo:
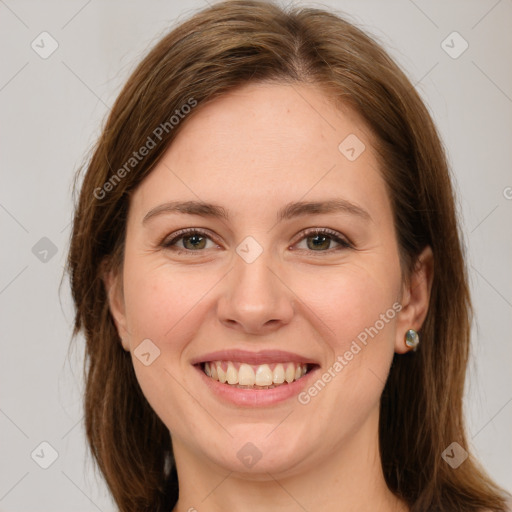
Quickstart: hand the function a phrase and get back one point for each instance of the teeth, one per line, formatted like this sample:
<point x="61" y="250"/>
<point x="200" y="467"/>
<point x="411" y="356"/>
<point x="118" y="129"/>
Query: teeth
<point x="220" y="373"/>
<point x="263" y="375"/>
<point x="289" y="374"/>
<point x="246" y="375"/>
<point x="231" y="374"/>
<point x="278" y="376"/>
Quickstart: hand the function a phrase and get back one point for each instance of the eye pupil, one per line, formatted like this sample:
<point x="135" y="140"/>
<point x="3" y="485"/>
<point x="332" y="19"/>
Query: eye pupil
<point x="323" y="237"/>
<point x="196" y="238"/>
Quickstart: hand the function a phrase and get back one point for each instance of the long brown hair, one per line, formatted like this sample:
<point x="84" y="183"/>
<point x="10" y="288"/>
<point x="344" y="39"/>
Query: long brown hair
<point x="219" y="48"/>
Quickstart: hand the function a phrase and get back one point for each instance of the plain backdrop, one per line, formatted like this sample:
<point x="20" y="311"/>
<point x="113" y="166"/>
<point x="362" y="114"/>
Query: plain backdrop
<point x="52" y="110"/>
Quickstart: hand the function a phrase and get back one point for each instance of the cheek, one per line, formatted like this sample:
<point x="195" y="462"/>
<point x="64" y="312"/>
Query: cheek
<point x="359" y="312"/>
<point x="161" y="301"/>
<point x="351" y="301"/>
<point x="358" y="307"/>
<point x="168" y="304"/>
<point x="163" y="304"/>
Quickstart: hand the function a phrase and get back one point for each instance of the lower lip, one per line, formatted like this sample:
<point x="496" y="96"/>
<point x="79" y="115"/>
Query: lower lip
<point x="256" y="397"/>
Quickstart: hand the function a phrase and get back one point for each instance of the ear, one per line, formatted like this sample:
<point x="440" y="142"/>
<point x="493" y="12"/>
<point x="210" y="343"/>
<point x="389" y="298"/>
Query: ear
<point x="114" y="288"/>
<point x="415" y="299"/>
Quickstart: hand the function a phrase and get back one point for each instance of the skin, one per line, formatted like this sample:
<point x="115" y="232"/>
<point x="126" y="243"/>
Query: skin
<point x="252" y="151"/>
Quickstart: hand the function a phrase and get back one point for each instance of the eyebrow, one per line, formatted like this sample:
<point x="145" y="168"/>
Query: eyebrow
<point x="289" y="211"/>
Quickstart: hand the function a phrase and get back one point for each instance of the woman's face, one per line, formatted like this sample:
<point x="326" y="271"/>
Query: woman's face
<point x="256" y="293"/>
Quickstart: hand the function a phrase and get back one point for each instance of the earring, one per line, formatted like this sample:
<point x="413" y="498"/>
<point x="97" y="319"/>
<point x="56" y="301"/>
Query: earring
<point x="412" y="339"/>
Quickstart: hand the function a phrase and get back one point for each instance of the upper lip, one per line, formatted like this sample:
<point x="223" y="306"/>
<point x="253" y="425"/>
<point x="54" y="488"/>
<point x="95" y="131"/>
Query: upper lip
<point x="260" y="357"/>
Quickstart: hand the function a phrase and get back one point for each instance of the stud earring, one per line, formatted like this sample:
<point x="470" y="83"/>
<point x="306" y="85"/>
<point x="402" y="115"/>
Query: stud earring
<point x="412" y="339"/>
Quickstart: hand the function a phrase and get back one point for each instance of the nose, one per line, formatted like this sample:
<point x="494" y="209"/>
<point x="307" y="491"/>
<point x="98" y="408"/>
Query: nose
<point x="255" y="298"/>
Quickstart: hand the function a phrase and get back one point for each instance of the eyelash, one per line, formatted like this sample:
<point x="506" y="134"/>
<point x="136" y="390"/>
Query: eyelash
<point x="333" y="235"/>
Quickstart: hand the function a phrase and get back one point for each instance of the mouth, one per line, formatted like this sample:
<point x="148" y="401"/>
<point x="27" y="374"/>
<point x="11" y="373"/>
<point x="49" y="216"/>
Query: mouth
<point x="254" y="379"/>
<point x="255" y="376"/>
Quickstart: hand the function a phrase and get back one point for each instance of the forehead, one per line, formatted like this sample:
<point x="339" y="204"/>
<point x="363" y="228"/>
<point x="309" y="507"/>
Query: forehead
<point x="268" y="123"/>
<point x="265" y="142"/>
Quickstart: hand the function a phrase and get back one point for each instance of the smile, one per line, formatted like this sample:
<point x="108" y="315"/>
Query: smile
<point x="250" y="376"/>
<point x="266" y="378"/>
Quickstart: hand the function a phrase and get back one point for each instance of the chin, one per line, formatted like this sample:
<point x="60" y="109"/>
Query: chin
<point x="253" y="454"/>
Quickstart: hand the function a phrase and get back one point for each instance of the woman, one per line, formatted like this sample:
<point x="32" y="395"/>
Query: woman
<point x="267" y="267"/>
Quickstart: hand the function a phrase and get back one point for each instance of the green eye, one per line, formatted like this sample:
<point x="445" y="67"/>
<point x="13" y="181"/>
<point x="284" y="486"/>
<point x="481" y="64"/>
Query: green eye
<point x="196" y="240"/>
<point x="322" y="239"/>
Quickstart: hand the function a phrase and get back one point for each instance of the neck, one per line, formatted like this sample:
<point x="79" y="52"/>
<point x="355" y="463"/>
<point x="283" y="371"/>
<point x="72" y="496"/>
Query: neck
<point x="349" y="479"/>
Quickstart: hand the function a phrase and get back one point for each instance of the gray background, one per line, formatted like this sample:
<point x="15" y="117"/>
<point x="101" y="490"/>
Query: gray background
<point x="52" y="110"/>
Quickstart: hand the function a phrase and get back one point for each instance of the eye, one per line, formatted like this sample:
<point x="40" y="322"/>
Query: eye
<point x="195" y="240"/>
<point x="318" y="239"/>
<point x="192" y="240"/>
